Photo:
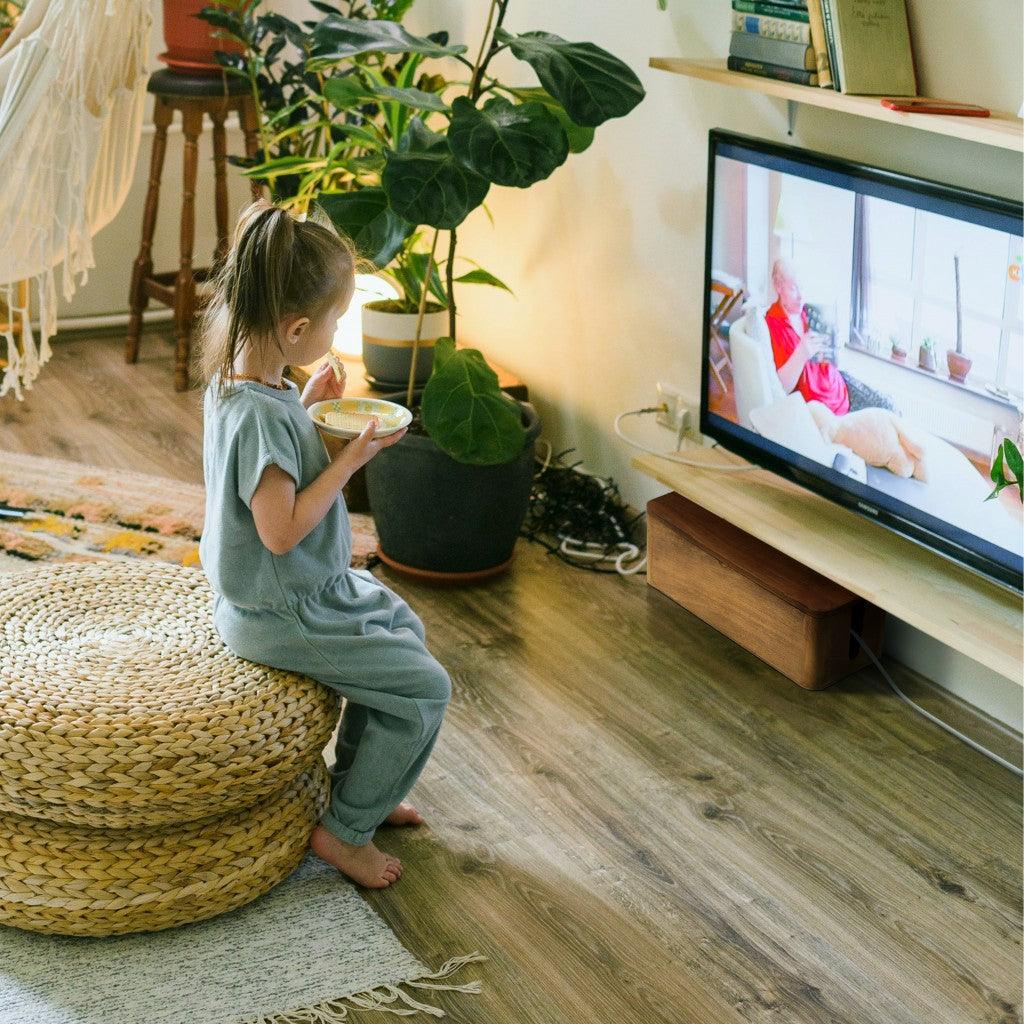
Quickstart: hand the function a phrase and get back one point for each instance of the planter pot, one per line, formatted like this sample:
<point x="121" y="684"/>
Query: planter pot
<point x="926" y="360"/>
<point x="899" y="356"/>
<point x="388" y="340"/>
<point x="442" y="520"/>
<point x="191" y="44"/>
<point x="959" y="367"/>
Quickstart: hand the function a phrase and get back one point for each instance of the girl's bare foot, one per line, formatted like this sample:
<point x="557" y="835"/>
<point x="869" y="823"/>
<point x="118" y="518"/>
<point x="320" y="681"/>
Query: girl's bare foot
<point x="404" y="814"/>
<point x="365" y="865"/>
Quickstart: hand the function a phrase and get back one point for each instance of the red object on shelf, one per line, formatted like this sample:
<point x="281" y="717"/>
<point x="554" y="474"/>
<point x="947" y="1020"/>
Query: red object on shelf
<point x="925" y="105"/>
<point x="191" y="43"/>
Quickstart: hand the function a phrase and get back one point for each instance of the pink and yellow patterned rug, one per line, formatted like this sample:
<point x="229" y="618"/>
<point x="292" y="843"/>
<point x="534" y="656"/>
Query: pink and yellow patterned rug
<point x="82" y="513"/>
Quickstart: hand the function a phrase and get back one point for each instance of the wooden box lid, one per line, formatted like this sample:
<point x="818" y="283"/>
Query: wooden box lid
<point x="775" y="572"/>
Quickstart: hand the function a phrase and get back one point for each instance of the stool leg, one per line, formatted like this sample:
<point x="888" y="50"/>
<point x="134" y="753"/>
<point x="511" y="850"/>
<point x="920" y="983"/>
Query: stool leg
<point x="220" y="158"/>
<point x="143" y="267"/>
<point x="185" y="285"/>
<point x="247" y="116"/>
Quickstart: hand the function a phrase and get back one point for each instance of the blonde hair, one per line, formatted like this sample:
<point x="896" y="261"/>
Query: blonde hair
<point x="277" y="267"/>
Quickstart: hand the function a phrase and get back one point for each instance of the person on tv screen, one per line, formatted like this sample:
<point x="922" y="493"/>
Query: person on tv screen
<point x="796" y="348"/>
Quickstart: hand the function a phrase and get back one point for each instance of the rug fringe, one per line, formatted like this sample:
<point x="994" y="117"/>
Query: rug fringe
<point x="393" y="999"/>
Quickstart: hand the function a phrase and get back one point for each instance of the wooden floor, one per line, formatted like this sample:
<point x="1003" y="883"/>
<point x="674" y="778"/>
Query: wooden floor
<point x="635" y="820"/>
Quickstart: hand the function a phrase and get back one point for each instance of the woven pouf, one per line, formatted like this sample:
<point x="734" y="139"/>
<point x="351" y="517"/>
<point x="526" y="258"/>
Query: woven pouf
<point x="120" y="707"/>
<point x="77" y="880"/>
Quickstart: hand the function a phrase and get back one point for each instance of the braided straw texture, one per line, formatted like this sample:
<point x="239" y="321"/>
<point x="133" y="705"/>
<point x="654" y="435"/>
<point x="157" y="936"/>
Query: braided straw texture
<point x="76" y="880"/>
<point x="120" y="706"/>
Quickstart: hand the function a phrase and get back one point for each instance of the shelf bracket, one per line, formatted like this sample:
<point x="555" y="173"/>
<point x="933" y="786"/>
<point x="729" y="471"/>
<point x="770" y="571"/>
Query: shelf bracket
<point x="791" y="106"/>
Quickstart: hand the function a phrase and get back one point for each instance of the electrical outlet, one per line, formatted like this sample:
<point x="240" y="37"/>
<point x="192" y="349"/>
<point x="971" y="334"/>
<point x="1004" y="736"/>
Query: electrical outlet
<point x="676" y="413"/>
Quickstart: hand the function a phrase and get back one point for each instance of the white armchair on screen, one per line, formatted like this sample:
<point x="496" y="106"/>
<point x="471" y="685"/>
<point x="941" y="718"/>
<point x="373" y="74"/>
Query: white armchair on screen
<point x="755" y="381"/>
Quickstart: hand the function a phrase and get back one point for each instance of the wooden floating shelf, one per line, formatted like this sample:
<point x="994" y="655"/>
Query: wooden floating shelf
<point x="1001" y="129"/>
<point x="941" y="598"/>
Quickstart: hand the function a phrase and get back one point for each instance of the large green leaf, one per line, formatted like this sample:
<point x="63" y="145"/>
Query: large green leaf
<point x="345" y="91"/>
<point x="466" y="413"/>
<point x="425" y="184"/>
<point x="335" y="39"/>
<point x="579" y="137"/>
<point x="509" y="144"/>
<point x="412" y="97"/>
<point x="481" y="276"/>
<point x="590" y="83"/>
<point x="365" y="216"/>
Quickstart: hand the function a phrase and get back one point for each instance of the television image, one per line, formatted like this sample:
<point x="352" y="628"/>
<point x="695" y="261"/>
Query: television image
<point x="863" y="337"/>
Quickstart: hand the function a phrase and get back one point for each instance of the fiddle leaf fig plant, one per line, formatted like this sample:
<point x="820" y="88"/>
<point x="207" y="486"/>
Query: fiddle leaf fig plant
<point x="470" y="136"/>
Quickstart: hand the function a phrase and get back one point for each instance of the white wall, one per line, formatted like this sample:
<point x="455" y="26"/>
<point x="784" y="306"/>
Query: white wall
<point x="606" y="257"/>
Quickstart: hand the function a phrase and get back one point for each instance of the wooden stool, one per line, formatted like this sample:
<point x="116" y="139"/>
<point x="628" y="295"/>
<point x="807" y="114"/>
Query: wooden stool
<point x="194" y="96"/>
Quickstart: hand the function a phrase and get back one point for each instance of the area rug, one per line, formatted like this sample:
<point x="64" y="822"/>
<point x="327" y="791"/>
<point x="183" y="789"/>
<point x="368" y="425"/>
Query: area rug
<point x="84" y="513"/>
<point x="308" y="952"/>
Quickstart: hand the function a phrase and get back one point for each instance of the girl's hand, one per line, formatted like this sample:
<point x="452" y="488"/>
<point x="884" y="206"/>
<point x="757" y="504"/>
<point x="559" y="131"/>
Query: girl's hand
<point x="323" y="385"/>
<point x="361" y="449"/>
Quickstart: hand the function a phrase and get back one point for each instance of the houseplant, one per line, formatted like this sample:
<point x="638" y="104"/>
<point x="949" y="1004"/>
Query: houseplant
<point x="899" y="353"/>
<point x="191" y="44"/>
<point x="959" y="365"/>
<point x="926" y="355"/>
<point x="449" y="500"/>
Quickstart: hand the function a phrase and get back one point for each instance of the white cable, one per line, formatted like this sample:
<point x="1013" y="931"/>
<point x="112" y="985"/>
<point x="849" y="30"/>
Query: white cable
<point x="932" y="718"/>
<point x="669" y="456"/>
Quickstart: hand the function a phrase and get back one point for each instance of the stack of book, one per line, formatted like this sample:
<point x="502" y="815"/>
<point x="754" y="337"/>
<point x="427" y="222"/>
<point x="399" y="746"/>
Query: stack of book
<point x="848" y="45"/>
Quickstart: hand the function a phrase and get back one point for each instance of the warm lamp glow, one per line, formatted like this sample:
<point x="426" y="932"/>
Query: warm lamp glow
<point x="348" y="338"/>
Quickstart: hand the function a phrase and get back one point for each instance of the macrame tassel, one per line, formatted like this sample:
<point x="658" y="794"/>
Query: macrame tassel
<point x="393" y="999"/>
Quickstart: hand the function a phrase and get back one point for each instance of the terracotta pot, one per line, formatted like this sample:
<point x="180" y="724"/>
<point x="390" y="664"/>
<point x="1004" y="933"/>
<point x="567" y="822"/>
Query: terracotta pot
<point x="926" y="360"/>
<point x="959" y="366"/>
<point x="191" y="43"/>
<point x="899" y="356"/>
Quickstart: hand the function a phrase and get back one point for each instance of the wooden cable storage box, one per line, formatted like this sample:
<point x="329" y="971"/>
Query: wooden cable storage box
<point x="790" y="616"/>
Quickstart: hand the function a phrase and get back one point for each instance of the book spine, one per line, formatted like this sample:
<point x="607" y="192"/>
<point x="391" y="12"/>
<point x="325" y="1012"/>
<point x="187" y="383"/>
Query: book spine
<point x="771" y="28"/>
<point x="819" y="42"/>
<point x="772" y="51"/>
<point x="770" y="10"/>
<point x="765" y="70"/>
<point x="830" y="41"/>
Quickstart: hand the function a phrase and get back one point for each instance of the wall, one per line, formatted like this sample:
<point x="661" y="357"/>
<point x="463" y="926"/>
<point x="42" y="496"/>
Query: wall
<point x="606" y="257"/>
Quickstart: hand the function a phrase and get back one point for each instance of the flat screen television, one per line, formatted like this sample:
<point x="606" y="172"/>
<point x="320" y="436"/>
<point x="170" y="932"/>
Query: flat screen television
<point x="863" y="337"/>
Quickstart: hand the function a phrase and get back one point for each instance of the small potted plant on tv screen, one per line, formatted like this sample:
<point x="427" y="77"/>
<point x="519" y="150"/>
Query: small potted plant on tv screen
<point x="926" y="355"/>
<point x="899" y="353"/>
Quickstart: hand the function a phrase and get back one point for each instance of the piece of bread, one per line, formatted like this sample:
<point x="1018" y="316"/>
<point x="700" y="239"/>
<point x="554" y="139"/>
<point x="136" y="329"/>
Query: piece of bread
<point x="336" y="365"/>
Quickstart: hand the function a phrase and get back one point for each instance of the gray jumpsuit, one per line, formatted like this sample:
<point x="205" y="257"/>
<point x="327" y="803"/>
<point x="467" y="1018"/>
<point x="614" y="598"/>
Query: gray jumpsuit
<point x="307" y="611"/>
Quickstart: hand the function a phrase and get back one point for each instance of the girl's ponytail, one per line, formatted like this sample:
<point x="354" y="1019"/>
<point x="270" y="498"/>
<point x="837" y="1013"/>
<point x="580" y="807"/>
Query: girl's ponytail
<point x="276" y="267"/>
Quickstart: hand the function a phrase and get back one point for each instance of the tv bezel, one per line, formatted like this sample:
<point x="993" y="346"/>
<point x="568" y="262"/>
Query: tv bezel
<point x="867" y="502"/>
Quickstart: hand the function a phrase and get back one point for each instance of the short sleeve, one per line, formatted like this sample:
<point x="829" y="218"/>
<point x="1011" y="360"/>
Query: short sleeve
<point x="263" y="439"/>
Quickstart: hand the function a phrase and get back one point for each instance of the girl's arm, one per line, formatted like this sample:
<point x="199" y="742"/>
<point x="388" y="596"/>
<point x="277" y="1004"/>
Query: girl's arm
<point x="284" y="516"/>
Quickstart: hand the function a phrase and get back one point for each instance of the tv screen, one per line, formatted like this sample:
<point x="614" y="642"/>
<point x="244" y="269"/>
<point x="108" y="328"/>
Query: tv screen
<point x="863" y="336"/>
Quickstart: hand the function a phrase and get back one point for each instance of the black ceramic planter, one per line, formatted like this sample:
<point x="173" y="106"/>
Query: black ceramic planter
<point x="443" y="520"/>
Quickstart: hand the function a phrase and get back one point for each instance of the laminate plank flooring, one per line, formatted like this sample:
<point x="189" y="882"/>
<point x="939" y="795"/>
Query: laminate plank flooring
<point x="633" y="819"/>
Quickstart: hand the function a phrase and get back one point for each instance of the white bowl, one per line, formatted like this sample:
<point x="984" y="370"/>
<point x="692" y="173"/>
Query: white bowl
<point x="391" y="417"/>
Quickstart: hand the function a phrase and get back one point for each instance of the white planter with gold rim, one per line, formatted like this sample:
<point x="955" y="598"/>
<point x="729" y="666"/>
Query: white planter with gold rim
<point x="388" y="342"/>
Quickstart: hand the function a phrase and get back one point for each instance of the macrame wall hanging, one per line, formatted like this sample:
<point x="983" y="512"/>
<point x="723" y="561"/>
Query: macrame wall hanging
<point x="72" y="87"/>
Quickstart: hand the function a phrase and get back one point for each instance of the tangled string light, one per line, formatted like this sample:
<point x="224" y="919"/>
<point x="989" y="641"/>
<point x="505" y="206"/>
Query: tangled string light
<point x="581" y="518"/>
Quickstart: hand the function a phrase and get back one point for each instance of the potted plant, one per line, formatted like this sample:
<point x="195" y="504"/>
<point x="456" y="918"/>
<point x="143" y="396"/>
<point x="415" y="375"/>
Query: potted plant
<point x="926" y="355"/>
<point x="449" y="499"/>
<point x="390" y="325"/>
<point x="899" y="353"/>
<point x="1007" y="457"/>
<point x="959" y="365"/>
<point x="192" y="44"/>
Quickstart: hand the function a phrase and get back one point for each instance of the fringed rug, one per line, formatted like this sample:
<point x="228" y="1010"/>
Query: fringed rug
<point x="83" y="513"/>
<point x="308" y="952"/>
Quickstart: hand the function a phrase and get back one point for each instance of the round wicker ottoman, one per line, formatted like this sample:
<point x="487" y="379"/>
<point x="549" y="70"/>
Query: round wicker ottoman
<point x="120" y="707"/>
<point x="76" y="880"/>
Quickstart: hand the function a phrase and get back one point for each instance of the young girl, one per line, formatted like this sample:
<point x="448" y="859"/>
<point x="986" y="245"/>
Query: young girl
<point x="277" y="541"/>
